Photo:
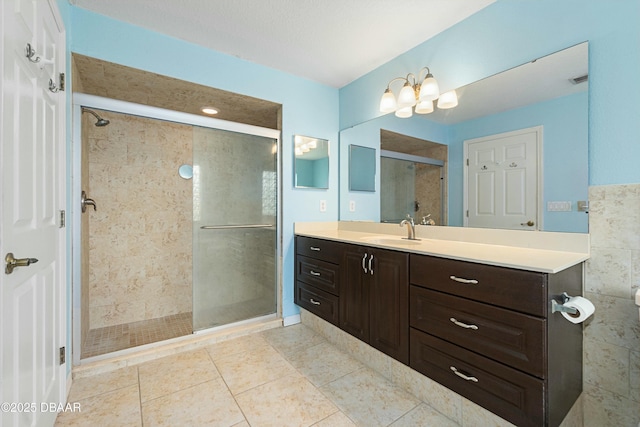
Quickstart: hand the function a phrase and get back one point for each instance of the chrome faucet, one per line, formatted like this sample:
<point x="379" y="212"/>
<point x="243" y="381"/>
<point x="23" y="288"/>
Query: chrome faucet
<point x="411" y="227"/>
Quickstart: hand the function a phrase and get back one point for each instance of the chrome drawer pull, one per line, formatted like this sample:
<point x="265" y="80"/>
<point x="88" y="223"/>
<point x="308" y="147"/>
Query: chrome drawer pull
<point x="466" y="281"/>
<point x="463" y="376"/>
<point x="313" y="248"/>
<point x="314" y="302"/>
<point x="370" y="266"/>
<point x="313" y="273"/>
<point x="364" y="267"/>
<point x="464" y="325"/>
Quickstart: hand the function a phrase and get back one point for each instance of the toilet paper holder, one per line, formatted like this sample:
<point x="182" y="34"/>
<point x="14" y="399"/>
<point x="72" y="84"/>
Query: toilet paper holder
<point x="556" y="306"/>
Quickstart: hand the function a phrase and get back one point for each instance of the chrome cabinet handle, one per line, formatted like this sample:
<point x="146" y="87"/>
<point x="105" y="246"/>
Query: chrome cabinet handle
<point x="463" y="325"/>
<point x="463" y="376"/>
<point x="364" y="266"/>
<point x="313" y="248"/>
<point x="466" y="281"/>
<point x="314" y="302"/>
<point x="370" y="264"/>
<point x="314" y="273"/>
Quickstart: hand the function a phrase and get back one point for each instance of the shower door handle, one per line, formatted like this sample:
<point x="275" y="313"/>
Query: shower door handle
<point x="224" y="227"/>
<point x="84" y="201"/>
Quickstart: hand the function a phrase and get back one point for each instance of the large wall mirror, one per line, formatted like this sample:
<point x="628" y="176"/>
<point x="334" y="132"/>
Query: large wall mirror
<point x="311" y="162"/>
<point x="549" y="93"/>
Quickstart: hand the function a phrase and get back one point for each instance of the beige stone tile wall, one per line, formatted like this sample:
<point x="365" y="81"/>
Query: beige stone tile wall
<point x="140" y="237"/>
<point x="612" y="335"/>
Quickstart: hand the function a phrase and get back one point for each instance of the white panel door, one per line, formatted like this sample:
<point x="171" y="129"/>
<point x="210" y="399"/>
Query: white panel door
<point x="502" y="180"/>
<point x="32" y="191"/>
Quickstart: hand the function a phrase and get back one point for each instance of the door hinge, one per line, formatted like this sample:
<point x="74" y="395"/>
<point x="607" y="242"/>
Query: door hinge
<point x="61" y="82"/>
<point x="467" y="213"/>
<point x="467" y="162"/>
<point x="63" y="220"/>
<point x="62" y="355"/>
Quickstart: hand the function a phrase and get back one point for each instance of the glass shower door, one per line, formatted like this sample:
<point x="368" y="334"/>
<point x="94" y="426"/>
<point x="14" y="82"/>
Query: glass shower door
<point x="234" y="227"/>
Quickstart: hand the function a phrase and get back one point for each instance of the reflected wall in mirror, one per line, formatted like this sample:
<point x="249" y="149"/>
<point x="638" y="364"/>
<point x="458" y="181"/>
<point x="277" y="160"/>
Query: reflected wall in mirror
<point x="551" y="92"/>
<point x="311" y="162"/>
<point x="362" y="168"/>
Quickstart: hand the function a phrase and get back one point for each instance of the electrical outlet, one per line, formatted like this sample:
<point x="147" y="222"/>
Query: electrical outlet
<point x="323" y="205"/>
<point x="352" y="205"/>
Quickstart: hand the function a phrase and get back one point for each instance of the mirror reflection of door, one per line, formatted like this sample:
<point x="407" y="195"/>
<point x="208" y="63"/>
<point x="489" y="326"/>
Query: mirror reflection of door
<point x="502" y="188"/>
<point x="412" y="179"/>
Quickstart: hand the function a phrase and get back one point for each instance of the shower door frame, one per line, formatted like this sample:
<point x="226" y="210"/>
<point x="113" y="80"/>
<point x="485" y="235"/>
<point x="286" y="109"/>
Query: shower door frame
<point x="80" y="100"/>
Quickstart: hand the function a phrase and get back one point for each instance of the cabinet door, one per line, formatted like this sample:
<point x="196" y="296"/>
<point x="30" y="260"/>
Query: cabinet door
<point x="388" y="304"/>
<point x="354" y="292"/>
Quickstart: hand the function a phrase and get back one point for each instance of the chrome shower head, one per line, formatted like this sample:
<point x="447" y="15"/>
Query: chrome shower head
<point x="101" y="122"/>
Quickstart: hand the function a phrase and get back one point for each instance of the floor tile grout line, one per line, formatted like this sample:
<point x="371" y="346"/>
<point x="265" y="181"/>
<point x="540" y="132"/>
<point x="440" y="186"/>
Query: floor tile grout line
<point x="229" y="389"/>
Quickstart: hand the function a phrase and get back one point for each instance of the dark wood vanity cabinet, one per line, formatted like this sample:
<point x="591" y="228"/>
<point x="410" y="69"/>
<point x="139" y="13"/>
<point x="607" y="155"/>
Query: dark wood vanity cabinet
<point x="318" y="277"/>
<point x="488" y="334"/>
<point x="483" y="331"/>
<point x="362" y="290"/>
<point x="374" y="298"/>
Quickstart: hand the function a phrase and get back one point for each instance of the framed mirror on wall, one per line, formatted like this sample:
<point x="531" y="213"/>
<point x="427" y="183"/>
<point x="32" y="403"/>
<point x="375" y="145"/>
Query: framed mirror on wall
<point x="362" y="168"/>
<point x="550" y="92"/>
<point x="311" y="163"/>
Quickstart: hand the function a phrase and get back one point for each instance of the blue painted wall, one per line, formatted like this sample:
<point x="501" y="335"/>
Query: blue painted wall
<point x="509" y="33"/>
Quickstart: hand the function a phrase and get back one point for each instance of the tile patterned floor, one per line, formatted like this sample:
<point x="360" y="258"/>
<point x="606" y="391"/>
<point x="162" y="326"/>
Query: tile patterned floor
<point x="280" y="377"/>
<point x="118" y="337"/>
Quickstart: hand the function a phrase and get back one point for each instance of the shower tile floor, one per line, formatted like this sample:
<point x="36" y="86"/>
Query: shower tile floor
<point x="119" y="337"/>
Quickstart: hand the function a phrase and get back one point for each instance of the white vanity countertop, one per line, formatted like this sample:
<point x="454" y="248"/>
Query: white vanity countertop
<point x="545" y="252"/>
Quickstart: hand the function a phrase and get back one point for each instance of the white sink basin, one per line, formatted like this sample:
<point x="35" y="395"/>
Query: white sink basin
<point x="390" y="240"/>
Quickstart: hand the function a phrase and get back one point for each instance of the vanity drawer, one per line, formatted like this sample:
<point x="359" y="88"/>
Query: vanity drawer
<point x="321" y="274"/>
<point x="518" y="290"/>
<point x="507" y="336"/>
<point x="509" y="393"/>
<point x="318" y="302"/>
<point x="325" y="250"/>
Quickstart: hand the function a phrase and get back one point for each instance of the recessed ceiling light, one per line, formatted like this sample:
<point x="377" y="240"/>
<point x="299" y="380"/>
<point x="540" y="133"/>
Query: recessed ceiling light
<point x="209" y="110"/>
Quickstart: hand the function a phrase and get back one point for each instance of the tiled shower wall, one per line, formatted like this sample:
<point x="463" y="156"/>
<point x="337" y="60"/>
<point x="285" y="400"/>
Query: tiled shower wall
<point x="140" y="236"/>
<point x="612" y="335"/>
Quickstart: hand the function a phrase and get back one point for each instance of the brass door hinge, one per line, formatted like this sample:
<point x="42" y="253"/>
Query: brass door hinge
<point x="62" y="355"/>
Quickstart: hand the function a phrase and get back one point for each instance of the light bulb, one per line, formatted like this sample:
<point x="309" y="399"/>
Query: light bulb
<point x="424" y="107"/>
<point x="429" y="89"/>
<point x="405" y="112"/>
<point x="448" y="100"/>
<point x="388" y="102"/>
<point x="407" y="96"/>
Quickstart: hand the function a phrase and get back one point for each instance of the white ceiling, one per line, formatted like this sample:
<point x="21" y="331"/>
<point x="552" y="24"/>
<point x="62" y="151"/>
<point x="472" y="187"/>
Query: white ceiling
<point x="330" y="41"/>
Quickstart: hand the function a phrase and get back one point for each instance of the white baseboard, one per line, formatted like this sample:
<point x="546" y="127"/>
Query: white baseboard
<point x="291" y="320"/>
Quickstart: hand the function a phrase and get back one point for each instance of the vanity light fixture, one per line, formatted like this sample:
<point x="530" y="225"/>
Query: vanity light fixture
<point x="209" y="110"/>
<point x="417" y="92"/>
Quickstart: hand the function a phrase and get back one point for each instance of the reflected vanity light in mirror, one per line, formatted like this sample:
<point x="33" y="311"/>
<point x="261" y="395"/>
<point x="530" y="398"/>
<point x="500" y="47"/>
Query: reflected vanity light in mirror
<point x="540" y="92"/>
<point x="311" y="165"/>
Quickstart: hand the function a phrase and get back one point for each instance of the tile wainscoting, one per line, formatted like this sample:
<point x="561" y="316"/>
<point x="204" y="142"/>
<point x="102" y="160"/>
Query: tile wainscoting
<point x="612" y="336"/>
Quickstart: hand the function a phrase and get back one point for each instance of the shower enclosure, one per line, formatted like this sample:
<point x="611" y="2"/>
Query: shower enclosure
<point x="165" y="254"/>
<point x="411" y="185"/>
